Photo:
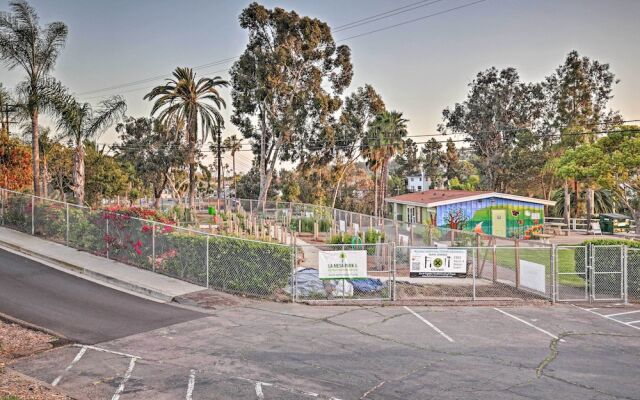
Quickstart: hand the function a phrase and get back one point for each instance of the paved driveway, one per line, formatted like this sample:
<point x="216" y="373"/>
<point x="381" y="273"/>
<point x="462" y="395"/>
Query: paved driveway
<point x="81" y="310"/>
<point x="287" y="351"/>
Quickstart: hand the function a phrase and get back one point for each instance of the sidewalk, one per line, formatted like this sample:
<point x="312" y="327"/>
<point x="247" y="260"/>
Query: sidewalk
<point x="125" y="276"/>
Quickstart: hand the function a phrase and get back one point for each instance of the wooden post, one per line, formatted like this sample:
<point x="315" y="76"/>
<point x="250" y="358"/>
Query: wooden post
<point x="495" y="265"/>
<point x="299" y="225"/>
<point x="315" y="230"/>
<point x="453" y="237"/>
<point x="410" y="234"/>
<point x="517" y="254"/>
<point x="477" y="249"/>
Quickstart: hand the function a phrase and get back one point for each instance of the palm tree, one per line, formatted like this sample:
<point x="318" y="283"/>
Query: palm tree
<point x="386" y="139"/>
<point x="24" y="43"/>
<point x="233" y="144"/>
<point x="197" y="103"/>
<point x="79" y="122"/>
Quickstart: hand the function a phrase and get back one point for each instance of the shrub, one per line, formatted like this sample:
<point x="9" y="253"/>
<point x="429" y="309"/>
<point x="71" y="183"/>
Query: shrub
<point x="235" y="265"/>
<point x="306" y="224"/>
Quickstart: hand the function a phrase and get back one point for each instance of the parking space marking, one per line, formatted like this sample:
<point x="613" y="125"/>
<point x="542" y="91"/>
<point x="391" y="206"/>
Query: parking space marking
<point x="609" y="317"/>
<point x="623" y="313"/>
<point x="126" y="377"/>
<point x="634" y="322"/>
<point x="191" y="385"/>
<point x="107" y="351"/>
<point x="435" y="328"/>
<point x="529" y="324"/>
<point x="83" y="350"/>
<point x="259" y="392"/>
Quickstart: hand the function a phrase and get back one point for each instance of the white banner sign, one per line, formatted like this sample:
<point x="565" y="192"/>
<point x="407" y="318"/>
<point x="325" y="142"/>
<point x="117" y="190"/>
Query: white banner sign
<point x="437" y="262"/>
<point x="356" y="229"/>
<point x="343" y="226"/>
<point x="342" y="264"/>
<point x="532" y="276"/>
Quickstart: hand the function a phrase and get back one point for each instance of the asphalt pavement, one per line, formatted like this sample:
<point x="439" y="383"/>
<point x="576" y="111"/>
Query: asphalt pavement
<point x="82" y="311"/>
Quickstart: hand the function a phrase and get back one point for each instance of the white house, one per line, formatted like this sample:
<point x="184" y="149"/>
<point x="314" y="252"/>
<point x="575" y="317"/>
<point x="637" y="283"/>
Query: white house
<point x="417" y="183"/>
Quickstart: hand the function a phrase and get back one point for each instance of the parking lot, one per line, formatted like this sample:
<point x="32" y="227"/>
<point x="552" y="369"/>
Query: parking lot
<point x="266" y="350"/>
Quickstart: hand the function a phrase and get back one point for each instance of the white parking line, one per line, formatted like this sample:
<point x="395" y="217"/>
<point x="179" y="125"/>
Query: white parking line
<point x="634" y="322"/>
<point x="623" y="313"/>
<point x="435" y="328"/>
<point x="83" y="350"/>
<point x="126" y="377"/>
<point x="191" y="385"/>
<point x="259" y="392"/>
<point x="608" y="317"/>
<point x="107" y="351"/>
<point x="528" y="324"/>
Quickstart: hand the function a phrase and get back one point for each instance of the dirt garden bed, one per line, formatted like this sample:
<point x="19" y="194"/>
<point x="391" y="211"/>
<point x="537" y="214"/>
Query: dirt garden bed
<point x="16" y="342"/>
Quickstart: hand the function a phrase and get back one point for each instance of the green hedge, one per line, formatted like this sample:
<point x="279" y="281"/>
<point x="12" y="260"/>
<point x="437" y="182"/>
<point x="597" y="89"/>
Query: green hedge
<point x="235" y="265"/>
<point x="306" y="224"/>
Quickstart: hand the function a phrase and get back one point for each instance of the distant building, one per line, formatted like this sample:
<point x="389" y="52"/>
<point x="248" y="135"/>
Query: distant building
<point x="498" y="214"/>
<point x="417" y="183"/>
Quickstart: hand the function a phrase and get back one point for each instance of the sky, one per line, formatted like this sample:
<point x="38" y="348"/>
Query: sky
<point x="418" y="67"/>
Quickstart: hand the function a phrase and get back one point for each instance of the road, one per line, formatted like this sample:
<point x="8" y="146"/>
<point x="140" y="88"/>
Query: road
<point x="83" y="311"/>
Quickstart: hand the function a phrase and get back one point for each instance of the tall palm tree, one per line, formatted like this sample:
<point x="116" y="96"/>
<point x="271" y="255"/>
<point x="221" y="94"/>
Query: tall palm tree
<point x="79" y="122"/>
<point x="197" y="103"/>
<point x="385" y="140"/>
<point x="24" y="43"/>
<point x="233" y="144"/>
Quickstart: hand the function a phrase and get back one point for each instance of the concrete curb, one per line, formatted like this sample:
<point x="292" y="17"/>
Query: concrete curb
<point x="81" y="270"/>
<point x="485" y="302"/>
<point x="13" y="320"/>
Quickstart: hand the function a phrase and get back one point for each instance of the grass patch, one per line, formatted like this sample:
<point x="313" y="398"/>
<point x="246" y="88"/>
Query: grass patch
<point x="566" y="262"/>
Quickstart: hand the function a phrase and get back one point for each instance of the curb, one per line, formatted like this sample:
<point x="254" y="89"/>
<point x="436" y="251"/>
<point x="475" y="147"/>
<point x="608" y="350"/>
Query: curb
<point x="81" y="270"/>
<point x="486" y="302"/>
<point x="62" y="339"/>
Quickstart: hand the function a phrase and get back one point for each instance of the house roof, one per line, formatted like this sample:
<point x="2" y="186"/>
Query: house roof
<point x="436" y="197"/>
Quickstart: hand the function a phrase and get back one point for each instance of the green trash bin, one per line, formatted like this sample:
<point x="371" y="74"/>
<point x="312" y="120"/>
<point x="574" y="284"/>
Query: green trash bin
<point x="613" y="223"/>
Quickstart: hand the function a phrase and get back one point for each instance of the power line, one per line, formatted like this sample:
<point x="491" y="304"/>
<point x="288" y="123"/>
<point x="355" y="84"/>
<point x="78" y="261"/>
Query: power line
<point x="312" y="148"/>
<point x="386" y="14"/>
<point x="357" y="23"/>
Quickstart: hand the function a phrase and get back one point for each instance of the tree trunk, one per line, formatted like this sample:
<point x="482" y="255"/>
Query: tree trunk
<point x="45" y="177"/>
<point x="78" y="173"/>
<point x="219" y="134"/>
<point x="192" y="176"/>
<point x="340" y="178"/>
<point x="383" y="186"/>
<point x="590" y="207"/>
<point x="567" y="203"/>
<point x="35" y="151"/>
<point x="636" y="217"/>
<point x="375" y="192"/>
<point x="235" y="181"/>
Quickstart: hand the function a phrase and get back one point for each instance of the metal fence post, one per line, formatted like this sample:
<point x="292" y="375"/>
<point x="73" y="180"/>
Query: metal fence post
<point x="2" y="197"/>
<point x="475" y="272"/>
<point x="592" y="275"/>
<point x="393" y="272"/>
<point x="153" y="246"/>
<point x="66" y="235"/>
<point x="294" y="279"/>
<point x="625" y="274"/>
<point x="553" y="273"/>
<point x="207" y="261"/>
<point x="108" y="238"/>
<point x="33" y="215"/>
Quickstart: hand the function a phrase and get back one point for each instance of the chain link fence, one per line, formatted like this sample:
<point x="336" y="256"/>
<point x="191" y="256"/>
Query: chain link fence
<point x="393" y="256"/>
<point x="235" y="265"/>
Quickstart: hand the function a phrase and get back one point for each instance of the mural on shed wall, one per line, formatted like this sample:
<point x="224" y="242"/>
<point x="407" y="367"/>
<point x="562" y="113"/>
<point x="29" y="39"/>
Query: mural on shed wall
<point x="521" y="216"/>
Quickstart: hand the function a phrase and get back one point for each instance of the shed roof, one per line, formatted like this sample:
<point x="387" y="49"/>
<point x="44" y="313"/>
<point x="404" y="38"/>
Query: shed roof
<point x="437" y="197"/>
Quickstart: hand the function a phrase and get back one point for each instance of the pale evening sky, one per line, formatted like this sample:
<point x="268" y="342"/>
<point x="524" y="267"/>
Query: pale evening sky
<point x="419" y="68"/>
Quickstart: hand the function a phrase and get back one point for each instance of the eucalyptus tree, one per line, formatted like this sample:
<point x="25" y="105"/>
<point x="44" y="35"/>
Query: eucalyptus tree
<point x="359" y="110"/>
<point x="286" y="86"/>
<point x="194" y="102"/>
<point x="26" y="44"/>
<point x="233" y="144"/>
<point x="79" y="122"/>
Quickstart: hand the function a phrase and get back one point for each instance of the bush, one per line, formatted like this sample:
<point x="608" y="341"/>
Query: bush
<point x="306" y="224"/>
<point x="235" y="265"/>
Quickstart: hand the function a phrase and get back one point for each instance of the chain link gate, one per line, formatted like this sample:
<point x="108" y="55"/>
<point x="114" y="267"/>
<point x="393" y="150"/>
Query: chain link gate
<point x="590" y="273"/>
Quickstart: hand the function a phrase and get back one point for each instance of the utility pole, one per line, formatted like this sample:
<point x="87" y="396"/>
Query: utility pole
<point x="219" y="139"/>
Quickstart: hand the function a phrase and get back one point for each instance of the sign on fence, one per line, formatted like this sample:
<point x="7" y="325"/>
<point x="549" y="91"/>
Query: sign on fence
<point x="342" y="264"/>
<point x="437" y="262"/>
<point x="532" y="276"/>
